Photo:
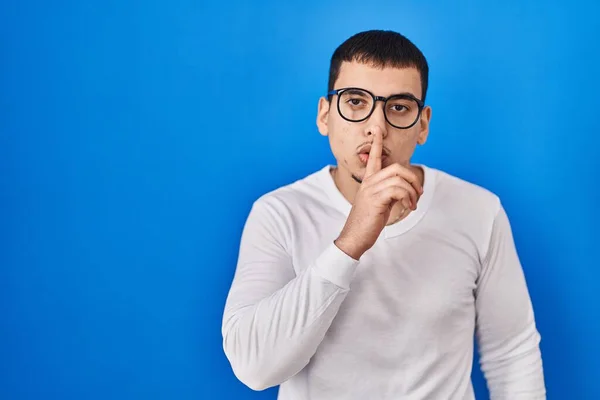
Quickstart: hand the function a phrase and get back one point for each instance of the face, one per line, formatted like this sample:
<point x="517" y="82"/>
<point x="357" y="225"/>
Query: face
<point x="347" y="139"/>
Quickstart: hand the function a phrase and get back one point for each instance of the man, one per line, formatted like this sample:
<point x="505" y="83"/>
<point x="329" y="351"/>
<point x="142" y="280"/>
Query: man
<point x="370" y="279"/>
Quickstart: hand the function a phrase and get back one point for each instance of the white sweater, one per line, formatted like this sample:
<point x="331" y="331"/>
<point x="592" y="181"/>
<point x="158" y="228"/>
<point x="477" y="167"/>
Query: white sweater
<point x="400" y="322"/>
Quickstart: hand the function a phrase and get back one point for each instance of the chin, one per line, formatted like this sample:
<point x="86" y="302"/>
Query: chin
<point x="358" y="173"/>
<point x="356" y="178"/>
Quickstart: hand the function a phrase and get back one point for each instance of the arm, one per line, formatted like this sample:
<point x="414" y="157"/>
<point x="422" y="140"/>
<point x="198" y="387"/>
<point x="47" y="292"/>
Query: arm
<point x="274" y="320"/>
<point x="508" y="339"/>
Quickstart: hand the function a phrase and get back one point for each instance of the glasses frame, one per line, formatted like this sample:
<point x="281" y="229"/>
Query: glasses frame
<point x="419" y="102"/>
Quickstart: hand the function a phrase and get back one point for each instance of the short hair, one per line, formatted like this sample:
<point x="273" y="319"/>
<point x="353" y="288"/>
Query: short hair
<point x="381" y="49"/>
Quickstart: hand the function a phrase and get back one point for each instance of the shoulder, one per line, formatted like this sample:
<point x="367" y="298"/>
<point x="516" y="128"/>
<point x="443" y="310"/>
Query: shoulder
<point x="289" y="199"/>
<point x="465" y="209"/>
<point x="465" y="198"/>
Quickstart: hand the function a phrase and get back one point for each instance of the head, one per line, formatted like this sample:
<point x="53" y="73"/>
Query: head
<point x="385" y="64"/>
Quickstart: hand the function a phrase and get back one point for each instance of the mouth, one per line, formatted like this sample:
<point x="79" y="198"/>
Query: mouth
<point x="363" y="154"/>
<point x="363" y="157"/>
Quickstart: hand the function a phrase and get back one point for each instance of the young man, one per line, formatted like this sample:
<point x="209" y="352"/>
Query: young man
<point x="370" y="279"/>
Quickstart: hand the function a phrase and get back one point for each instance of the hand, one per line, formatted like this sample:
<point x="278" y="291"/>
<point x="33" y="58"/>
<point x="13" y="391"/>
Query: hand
<point x="379" y="191"/>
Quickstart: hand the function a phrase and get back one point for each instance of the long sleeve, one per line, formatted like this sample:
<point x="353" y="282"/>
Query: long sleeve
<point x="274" y="320"/>
<point x="508" y="339"/>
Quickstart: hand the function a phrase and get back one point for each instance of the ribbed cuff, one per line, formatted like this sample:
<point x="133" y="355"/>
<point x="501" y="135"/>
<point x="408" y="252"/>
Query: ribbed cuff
<point x="336" y="266"/>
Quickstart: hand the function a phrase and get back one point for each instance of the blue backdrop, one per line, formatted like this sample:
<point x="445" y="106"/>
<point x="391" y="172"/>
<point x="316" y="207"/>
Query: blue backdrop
<point x="135" y="135"/>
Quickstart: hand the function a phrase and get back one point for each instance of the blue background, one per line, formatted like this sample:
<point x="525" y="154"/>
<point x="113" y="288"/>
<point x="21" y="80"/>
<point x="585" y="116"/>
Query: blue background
<point x="135" y="135"/>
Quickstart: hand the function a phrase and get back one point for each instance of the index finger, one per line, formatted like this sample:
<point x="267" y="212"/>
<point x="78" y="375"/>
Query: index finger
<point x="374" y="161"/>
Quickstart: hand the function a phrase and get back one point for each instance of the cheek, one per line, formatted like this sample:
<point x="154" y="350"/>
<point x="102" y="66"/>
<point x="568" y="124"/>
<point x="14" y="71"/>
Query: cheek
<point x="411" y="136"/>
<point x="403" y="139"/>
<point x="404" y="142"/>
<point x="340" y="140"/>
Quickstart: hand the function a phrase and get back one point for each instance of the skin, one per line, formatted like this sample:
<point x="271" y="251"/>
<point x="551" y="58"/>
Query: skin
<point x="388" y="187"/>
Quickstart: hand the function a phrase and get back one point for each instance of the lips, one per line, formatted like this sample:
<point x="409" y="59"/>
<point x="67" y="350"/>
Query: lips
<point x="364" y="157"/>
<point x="363" y="153"/>
<point x="364" y="149"/>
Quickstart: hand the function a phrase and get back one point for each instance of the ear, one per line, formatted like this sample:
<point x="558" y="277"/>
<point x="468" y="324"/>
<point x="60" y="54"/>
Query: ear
<point x="424" y="125"/>
<point x="322" y="115"/>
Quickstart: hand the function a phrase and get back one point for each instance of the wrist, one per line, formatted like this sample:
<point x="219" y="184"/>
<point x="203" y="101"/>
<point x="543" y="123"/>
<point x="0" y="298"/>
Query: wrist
<point x="349" y="247"/>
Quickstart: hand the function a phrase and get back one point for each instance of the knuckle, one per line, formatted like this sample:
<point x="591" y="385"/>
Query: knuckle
<point x="399" y="181"/>
<point x="381" y="196"/>
<point x="400" y="191"/>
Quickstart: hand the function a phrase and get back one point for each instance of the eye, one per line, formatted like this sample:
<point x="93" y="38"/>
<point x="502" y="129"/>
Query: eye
<point x="355" y="101"/>
<point x="398" y="107"/>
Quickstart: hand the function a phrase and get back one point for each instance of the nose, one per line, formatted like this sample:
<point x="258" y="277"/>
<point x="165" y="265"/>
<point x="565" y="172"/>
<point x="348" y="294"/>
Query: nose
<point x="376" y="122"/>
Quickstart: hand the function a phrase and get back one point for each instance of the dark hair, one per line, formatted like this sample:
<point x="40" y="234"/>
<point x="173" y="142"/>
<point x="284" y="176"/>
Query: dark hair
<point x="380" y="49"/>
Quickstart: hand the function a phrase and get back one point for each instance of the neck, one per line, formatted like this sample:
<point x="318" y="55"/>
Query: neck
<point x="348" y="186"/>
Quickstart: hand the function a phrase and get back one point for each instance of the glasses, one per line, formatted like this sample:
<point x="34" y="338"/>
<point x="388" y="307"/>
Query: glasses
<point x="356" y="105"/>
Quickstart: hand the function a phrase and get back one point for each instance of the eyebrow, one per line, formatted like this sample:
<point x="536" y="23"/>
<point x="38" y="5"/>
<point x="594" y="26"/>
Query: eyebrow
<point x="403" y="94"/>
<point x="359" y="92"/>
<point x="356" y="91"/>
